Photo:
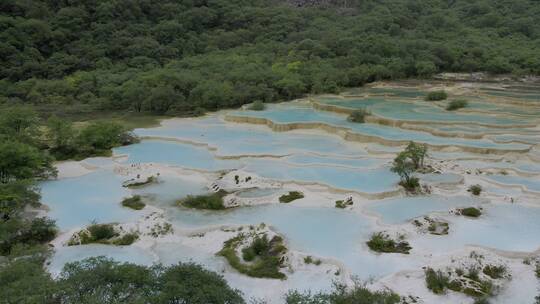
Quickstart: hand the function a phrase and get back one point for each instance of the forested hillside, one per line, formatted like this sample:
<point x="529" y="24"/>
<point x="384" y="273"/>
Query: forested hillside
<point x="177" y="56"/>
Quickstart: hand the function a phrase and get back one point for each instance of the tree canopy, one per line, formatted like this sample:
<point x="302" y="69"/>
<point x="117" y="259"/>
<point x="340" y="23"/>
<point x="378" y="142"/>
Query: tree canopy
<point x="176" y="56"/>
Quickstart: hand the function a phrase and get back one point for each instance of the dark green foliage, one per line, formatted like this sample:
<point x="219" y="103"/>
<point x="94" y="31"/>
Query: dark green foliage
<point x="257" y="105"/>
<point x="475" y="189"/>
<point x="147" y="181"/>
<point x="358" y="116"/>
<point x="407" y="162"/>
<point x="173" y="57"/>
<point x="25" y="281"/>
<point x="291" y="196"/>
<point x="342" y="204"/>
<point x="20" y="161"/>
<point x="126" y="239"/>
<point x="436" y="95"/>
<point x="263" y="255"/>
<point x="134" y="202"/>
<point x="359" y="294"/>
<point x="99" y="137"/>
<point x="436" y="281"/>
<point x="99" y="280"/>
<point x="381" y="242"/>
<point x="456" y="104"/>
<point x="99" y="233"/>
<point x="537" y="270"/>
<point x="495" y="272"/>
<point x="471" y="212"/>
<point x="212" y="201"/>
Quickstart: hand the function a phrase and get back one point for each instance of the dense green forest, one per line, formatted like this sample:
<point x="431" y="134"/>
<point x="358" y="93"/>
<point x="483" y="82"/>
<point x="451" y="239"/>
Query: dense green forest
<point x="184" y="57"/>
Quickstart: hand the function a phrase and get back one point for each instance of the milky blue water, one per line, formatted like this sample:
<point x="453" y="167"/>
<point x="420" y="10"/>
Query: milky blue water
<point x="403" y="209"/>
<point x="300" y="113"/>
<point x="77" y="201"/>
<point x="530" y="183"/>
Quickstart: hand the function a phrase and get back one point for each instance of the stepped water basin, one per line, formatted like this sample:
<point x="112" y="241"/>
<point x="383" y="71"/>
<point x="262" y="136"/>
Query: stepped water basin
<point x="419" y="111"/>
<point x="299" y="113"/>
<point x="510" y="227"/>
<point x="77" y="201"/>
<point x="233" y="139"/>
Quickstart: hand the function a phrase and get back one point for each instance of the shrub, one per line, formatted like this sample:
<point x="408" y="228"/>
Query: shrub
<point x="310" y="260"/>
<point x="101" y="232"/>
<point x="436" y="95"/>
<point x="199" y="111"/>
<point x="411" y="184"/>
<point x="494" y="272"/>
<point x="475" y="189"/>
<point x="341" y="294"/>
<point x="381" y="242"/>
<point x="257" y="105"/>
<point x="126" y="239"/>
<point x="456" y="104"/>
<point x="291" y="196"/>
<point x="342" y="204"/>
<point x="358" y="116"/>
<point x="212" y="201"/>
<point x="149" y="180"/>
<point x="436" y="281"/>
<point x="471" y="212"/>
<point x="266" y="256"/>
<point x="134" y="202"/>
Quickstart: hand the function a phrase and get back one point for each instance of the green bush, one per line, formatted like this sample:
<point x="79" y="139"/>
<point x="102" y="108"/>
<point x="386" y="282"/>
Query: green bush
<point x="341" y="294"/>
<point x="212" y="201"/>
<point x="101" y="232"/>
<point x="134" y="202"/>
<point x="475" y="189"/>
<point x="264" y="255"/>
<point x="381" y="242"/>
<point x="358" y="116"/>
<point x="199" y="111"/>
<point x="291" y="196"/>
<point x="436" y="281"/>
<point x="494" y="272"/>
<point x="257" y="105"/>
<point x="126" y="239"/>
<point x="436" y="96"/>
<point x="149" y="180"/>
<point x="456" y="104"/>
<point x="411" y="185"/>
<point x="471" y="212"/>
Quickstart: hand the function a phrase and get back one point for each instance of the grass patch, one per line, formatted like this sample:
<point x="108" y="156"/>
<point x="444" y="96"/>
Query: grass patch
<point x="126" y="239"/>
<point x="263" y="255"/>
<point x="381" y="242"/>
<point x="257" y="105"/>
<point x="102" y="234"/>
<point x="310" y="260"/>
<point x="342" y="204"/>
<point x="436" y="95"/>
<point x="291" y="196"/>
<point x="149" y="180"/>
<point x="212" y="201"/>
<point x="456" y="104"/>
<point x="475" y="189"/>
<point x="358" y="116"/>
<point x="134" y="202"/>
<point x="436" y="281"/>
<point x="471" y="212"/>
<point x="411" y="185"/>
<point x="494" y="272"/>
